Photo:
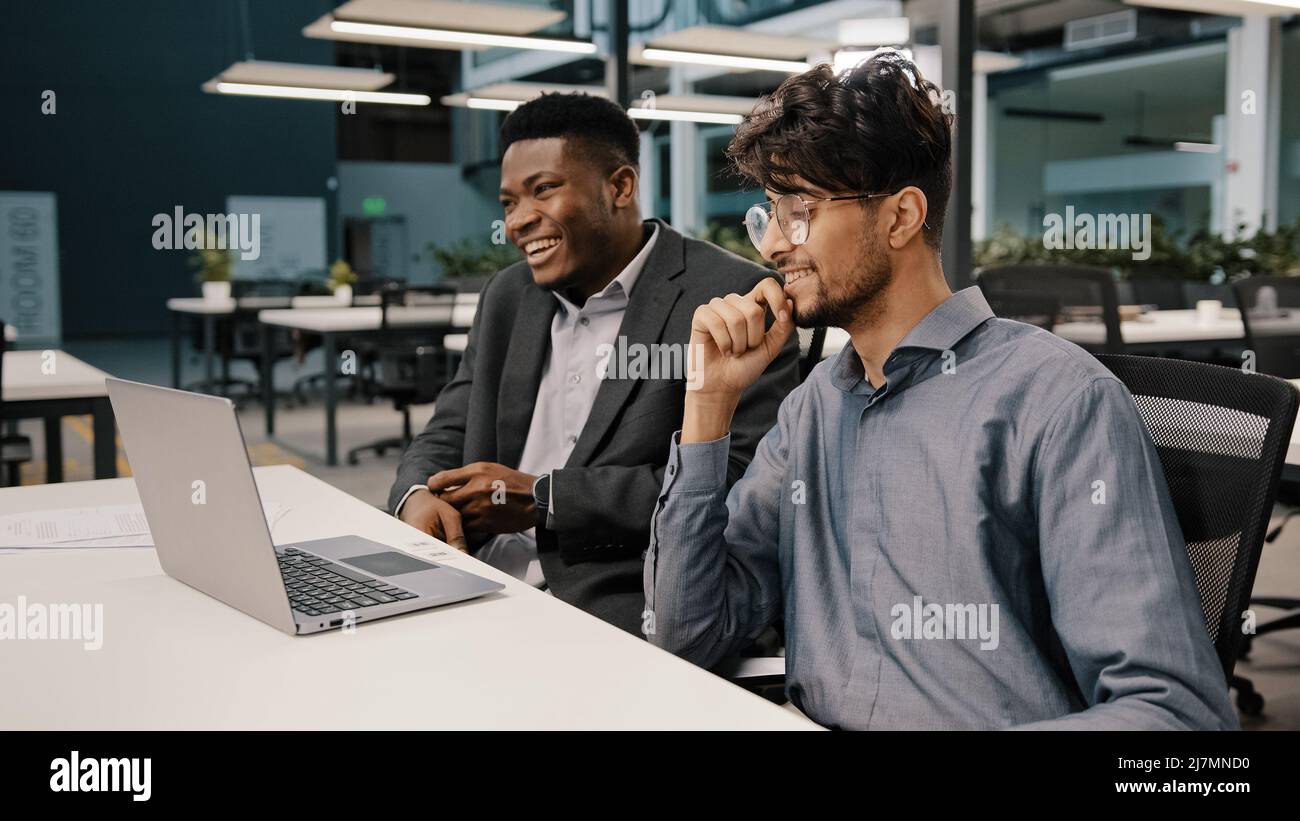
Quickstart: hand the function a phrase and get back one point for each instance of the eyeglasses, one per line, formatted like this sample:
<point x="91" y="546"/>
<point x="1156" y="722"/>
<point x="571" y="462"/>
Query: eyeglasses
<point x="792" y="215"/>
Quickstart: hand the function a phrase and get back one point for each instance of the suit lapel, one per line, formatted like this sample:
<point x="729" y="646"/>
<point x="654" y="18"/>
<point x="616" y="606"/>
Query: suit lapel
<point x="530" y="344"/>
<point x="653" y="298"/>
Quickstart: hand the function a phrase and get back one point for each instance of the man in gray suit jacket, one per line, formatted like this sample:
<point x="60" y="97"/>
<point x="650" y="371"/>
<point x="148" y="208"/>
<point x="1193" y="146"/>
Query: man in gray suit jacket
<point x="547" y="450"/>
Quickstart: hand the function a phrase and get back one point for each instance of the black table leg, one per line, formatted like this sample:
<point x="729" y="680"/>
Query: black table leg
<point x="176" y="349"/>
<point x="105" y="433"/>
<point x="53" y="449"/>
<point x="331" y="400"/>
<point x="224" y="390"/>
<point x="209" y="343"/>
<point x="268" y="378"/>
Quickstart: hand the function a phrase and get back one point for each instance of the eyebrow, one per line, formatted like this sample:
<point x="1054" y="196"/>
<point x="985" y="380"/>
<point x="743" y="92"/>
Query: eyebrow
<point x="528" y="181"/>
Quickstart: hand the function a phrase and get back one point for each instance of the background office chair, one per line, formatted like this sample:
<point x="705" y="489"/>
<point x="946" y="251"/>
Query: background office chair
<point x="1222" y="436"/>
<point x="410" y="367"/>
<point x="1165" y="293"/>
<point x="237" y="336"/>
<point x="1042" y="294"/>
<point x="1270" y="310"/>
<point x="1271" y="314"/>
<point x="15" y="448"/>
<point x="363" y="347"/>
<point x="811" y="342"/>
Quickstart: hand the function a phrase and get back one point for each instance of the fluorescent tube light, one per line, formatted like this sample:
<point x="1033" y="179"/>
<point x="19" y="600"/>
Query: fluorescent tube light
<point x="337" y="95"/>
<point x="714" y="117"/>
<point x="490" y="104"/>
<point x="701" y="58"/>
<point x="459" y="39"/>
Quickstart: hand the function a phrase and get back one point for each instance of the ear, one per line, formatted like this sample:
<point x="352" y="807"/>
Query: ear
<point x="623" y="185"/>
<point x="911" y="208"/>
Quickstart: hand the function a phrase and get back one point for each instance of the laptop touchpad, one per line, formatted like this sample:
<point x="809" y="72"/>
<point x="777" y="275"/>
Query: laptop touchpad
<point x="389" y="563"/>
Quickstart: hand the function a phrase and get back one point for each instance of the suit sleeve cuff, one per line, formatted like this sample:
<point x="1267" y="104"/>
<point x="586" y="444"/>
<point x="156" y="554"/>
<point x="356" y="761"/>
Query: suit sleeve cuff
<point x="697" y="467"/>
<point x="397" y="511"/>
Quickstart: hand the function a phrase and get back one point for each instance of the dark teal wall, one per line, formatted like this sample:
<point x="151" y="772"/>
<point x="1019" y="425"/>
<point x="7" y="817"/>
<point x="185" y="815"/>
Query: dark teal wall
<point x="134" y="135"/>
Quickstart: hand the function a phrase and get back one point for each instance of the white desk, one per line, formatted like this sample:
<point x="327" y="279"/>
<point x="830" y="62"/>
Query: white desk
<point x="330" y="322"/>
<point x="1159" y="327"/>
<point x="173" y="658"/>
<point x="209" y="311"/>
<point x="50" y="385"/>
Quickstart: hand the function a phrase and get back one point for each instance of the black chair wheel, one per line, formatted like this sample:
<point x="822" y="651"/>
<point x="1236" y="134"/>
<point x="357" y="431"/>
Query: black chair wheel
<point x="352" y="459"/>
<point x="381" y="451"/>
<point x="1250" y="703"/>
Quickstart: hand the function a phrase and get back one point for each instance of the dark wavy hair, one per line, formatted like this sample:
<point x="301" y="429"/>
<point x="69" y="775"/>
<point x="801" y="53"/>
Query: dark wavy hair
<point x="607" y="135"/>
<point x="876" y="128"/>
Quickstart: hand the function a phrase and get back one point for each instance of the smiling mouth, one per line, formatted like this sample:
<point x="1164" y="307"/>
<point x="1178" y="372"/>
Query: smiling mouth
<point x="538" y="248"/>
<point x="795" y="274"/>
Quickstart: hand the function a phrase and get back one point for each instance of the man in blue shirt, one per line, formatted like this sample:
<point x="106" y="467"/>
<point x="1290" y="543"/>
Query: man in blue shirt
<point x="961" y="518"/>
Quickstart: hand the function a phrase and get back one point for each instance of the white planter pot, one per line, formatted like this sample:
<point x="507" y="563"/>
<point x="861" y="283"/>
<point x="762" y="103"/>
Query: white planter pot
<point x="343" y="293"/>
<point x="216" y="291"/>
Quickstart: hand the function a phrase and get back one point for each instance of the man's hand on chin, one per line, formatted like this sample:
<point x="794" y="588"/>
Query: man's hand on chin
<point x="491" y="498"/>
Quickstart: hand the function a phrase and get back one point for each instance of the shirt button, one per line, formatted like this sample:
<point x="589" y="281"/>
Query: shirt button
<point x="584" y="321"/>
<point x="572" y="439"/>
<point x="672" y="469"/>
<point x="576" y="378"/>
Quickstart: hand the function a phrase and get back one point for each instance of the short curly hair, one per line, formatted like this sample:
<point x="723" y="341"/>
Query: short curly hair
<point x="876" y="128"/>
<point x="607" y="134"/>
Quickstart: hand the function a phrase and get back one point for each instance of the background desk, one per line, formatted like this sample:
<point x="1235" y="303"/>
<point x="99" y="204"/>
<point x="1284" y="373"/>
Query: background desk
<point x="173" y="658"/>
<point x="329" y="323"/>
<point x="74" y="388"/>
<point x="209" y="311"/>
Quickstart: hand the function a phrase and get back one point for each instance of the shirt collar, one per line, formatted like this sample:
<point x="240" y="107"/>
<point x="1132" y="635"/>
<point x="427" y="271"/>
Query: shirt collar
<point x="626" y="279"/>
<point x="947" y="324"/>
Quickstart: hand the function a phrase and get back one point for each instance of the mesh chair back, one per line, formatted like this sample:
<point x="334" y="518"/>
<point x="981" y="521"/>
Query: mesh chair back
<point x="1222" y="437"/>
<point x="1165" y="293"/>
<point x="1043" y="294"/>
<point x="1270" y="310"/>
<point x="811" y="342"/>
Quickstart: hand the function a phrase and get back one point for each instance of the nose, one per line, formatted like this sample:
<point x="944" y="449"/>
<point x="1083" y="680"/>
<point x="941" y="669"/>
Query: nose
<point x="519" y="221"/>
<point x="774" y="242"/>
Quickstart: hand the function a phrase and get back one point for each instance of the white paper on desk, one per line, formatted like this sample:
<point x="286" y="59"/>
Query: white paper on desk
<point x="87" y="527"/>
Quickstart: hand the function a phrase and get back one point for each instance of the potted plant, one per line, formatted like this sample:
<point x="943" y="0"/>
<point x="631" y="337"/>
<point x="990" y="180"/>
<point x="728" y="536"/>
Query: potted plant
<point x="213" y="266"/>
<point x="467" y="264"/>
<point x="341" y="280"/>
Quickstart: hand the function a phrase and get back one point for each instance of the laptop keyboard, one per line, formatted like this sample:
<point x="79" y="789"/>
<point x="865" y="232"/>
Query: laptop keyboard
<point x="318" y="587"/>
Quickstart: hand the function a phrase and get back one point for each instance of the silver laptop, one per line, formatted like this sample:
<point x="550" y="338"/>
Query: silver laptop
<point x="196" y="484"/>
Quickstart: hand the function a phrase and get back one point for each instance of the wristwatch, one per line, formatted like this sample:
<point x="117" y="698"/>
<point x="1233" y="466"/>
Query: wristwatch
<point x="542" y="497"/>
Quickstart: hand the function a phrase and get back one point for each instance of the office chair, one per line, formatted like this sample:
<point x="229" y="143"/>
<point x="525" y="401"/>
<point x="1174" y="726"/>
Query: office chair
<point x="1270" y="311"/>
<point x="237" y="336"/>
<point x="1041" y="294"/>
<point x="364" y="348"/>
<point x="811" y="342"/>
<point x="1222" y="437"/>
<point x="1271" y="315"/>
<point x="15" y="448"/>
<point x="1165" y="293"/>
<point x="409" y="372"/>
